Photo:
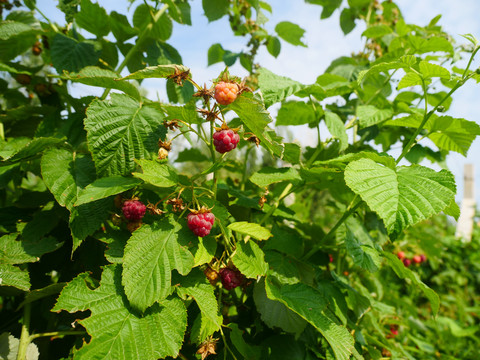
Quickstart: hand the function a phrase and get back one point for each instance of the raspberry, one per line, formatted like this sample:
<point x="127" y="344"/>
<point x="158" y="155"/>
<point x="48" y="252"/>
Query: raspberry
<point x="231" y="278"/>
<point x="201" y="223"/>
<point x="133" y="209"/>
<point x="225" y="140"/>
<point x="424" y="258"/>
<point x="417" y="259"/>
<point x="394" y="330"/>
<point x="401" y="255"/>
<point x="226" y="93"/>
<point x="407" y="262"/>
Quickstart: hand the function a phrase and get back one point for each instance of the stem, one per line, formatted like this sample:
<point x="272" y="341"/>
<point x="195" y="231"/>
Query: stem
<point x="25" y="336"/>
<point x="212" y="151"/>
<point x="57" y="333"/>
<point x="427" y="116"/>
<point x="318" y="150"/>
<point x="350" y="210"/>
<point x="140" y="39"/>
<point x="470" y="62"/>
<point x="47" y="19"/>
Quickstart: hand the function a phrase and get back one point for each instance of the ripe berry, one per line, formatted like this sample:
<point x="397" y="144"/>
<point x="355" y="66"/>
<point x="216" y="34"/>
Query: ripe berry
<point x="330" y="258"/>
<point x="226" y="93"/>
<point x="407" y="262"/>
<point x="225" y="140"/>
<point x="133" y="209"/>
<point x="424" y="258"/>
<point x="401" y="255"/>
<point x="201" y="223"/>
<point x="231" y="278"/>
<point x="417" y="259"/>
<point x="394" y="330"/>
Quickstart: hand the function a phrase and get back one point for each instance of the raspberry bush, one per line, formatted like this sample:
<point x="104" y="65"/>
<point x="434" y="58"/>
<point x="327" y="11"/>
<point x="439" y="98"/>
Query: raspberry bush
<point x="275" y="250"/>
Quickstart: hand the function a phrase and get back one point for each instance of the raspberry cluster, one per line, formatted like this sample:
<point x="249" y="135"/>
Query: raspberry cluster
<point x="225" y="140"/>
<point x="417" y="259"/>
<point x="225" y="92"/>
<point x="231" y="278"/>
<point x="201" y="223"/>
<point x="133" y="210"/>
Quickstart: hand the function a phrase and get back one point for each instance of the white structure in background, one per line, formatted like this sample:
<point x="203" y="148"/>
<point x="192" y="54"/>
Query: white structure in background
<point x="467" y="211"/>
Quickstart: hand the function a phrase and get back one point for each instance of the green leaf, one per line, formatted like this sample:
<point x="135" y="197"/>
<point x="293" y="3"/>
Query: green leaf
<point x="295" y="113"/>
<point x="105" y="187"/>
<point x="120" y="27"/>
<point x="13" y="276"/>
<point x="87" y="218"/>
<point x="274" y="46"/>
<point x="93" y="18"/>
<point x="247" y="351"/>
<point x="276" y="314"/>
<point x="452" y="133"/>
<point x="215" y="9"/>
<point x="157" y="174"/>
<point x="10" y="29"/>
<point x="311" y="305"/>
<point x="369" y="115"/>
<point x="215" y="54"/>
<point x="290" y="32"/>
<point x="276" y="88"/>
<point x="405" y="273"/>
<point x="161" y="29"/>
<point x="448" y="133"/>
<point x="360" y="245"/>
<point x="95" y="76"/>
<point x="179" y="94"/>
<point x="13" y="251"/>
<point x="410" y="79"/>
<point x="253" y="230"/>
<point x="31" y="148"/>
<point x="70" y="55"/>
<point x="452" y="210"/>
<point x="121" y="130"/>
<point x="404" y="62"/>
<point x="255" y="117"/>
<point x="376" y="31"/>
<point x="285" y="240"/>
<point x="204" y="251"/>
<point x="268" y="176"/>
<point x="401" y="197"/>
<point x="150" y="256"/>
<point x="429" y="70"/>
<point x="9" y="348"/>
<point x="337" y="128"/>
<point x="347" y="20"/>
<point x="197" y="286"/>
<point x="159" y="71"/>
<point x="37" y="294"/>
<point x="66" y="175"/>
<point x="249" y="259"/>
<point x="117" y="332"/>
<point x="77" y="172"/>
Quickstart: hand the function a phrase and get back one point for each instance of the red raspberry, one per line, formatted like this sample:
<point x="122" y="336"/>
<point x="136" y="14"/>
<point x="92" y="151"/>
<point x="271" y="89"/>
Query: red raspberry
<point x="201" y="223"/>
<point x="417" y="259"/>
<point x="231" y="278"/>
<point x="133" y="209"/>
<point x="401" y="255"/>
<point x="226" y="93"/>
<point x="407" y="262"/>
<point x="330" y="258"/>
<point x="225" y="140"/>
<point x="394" y="330"/>
<point x="424" y="258"/>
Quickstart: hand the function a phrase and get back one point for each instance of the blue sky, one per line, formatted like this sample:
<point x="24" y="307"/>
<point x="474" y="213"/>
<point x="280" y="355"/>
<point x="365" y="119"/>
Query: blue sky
<point x="325" y="42"/>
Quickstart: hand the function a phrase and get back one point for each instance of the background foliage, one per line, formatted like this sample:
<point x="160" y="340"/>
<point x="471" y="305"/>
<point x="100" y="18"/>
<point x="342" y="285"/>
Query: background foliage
<point x="314" y="231"/>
